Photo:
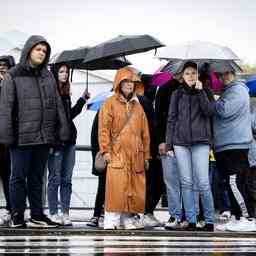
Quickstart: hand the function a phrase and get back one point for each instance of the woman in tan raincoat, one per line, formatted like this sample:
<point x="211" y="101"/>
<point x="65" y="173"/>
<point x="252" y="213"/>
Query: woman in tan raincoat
<point x="124" y="142"/>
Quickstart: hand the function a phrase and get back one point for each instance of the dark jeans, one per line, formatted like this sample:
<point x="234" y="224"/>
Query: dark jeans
<point x="154" y="185"/>
<point x="28" y="167"/>
<point x="5" y="176"/>
<point x="234" y="168"/>
<point x="219" y="189"/>
<point x="100" y="196"/>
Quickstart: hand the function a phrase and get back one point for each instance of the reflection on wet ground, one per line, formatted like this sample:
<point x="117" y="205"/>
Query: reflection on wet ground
<point x="147" y="243"/>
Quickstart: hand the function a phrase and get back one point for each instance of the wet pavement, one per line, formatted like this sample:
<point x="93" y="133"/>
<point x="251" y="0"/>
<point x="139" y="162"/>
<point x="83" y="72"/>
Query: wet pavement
<point x="81" y="240"/>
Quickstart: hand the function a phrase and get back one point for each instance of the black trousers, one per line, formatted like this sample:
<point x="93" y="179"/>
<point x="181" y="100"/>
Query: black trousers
<point x="154" y="185"/>
<point x="233" y="165"/>
<point x="100" y="196"/>
<point x="5" y="176"/>
<point x="28" y="168"/>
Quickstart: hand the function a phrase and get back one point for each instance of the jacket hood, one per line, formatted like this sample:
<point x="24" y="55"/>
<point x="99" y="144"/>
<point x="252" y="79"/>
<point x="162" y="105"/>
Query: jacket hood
<point x="30" y="43"/>
<point x="234" y="83"/>
<point x="130" y="74"/>
<point x="8" y="59"/>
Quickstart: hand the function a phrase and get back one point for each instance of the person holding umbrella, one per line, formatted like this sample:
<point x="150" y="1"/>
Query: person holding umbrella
<point x="124" y="143"/>
<point x="188" y="136"/>
<point x="62" y="158"/>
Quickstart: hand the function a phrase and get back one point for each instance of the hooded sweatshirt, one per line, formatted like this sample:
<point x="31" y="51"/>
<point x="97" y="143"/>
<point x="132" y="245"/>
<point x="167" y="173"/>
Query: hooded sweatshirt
<point x="31" y="111"/>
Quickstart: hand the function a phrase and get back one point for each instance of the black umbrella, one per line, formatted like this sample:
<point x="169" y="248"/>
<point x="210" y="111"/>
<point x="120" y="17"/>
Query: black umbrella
<point x="122" y="46"/>
<point x="74" y="58"/>
<point x="70" y="57"/>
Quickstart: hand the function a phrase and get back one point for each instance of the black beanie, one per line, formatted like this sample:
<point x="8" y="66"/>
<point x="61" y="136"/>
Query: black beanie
<point x="189" y="64"/>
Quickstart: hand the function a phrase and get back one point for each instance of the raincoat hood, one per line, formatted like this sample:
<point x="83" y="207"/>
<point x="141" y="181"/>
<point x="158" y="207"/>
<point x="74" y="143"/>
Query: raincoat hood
<point x="130" y="74"/>
<point x="32" y="42"/>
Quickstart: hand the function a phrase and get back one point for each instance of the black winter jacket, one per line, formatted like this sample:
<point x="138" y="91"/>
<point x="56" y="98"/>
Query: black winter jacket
<point x="162" y="103"/>
<point x="188" y="121"/>
<point x="31" y="111"/>
<point x="72" y="113"/>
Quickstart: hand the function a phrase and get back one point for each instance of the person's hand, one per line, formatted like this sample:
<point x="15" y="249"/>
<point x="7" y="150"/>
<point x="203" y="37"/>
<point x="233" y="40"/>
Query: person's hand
<point x="86" y="95"/>
<point x="146" y="165"/>
<point x="162" y="148"/>
<point x="170" y="153"/>
<point x="216" y="97"/>
<point x="1" y="76"/>
<point x="107" y="157"/>
<point x="199" y="85"/>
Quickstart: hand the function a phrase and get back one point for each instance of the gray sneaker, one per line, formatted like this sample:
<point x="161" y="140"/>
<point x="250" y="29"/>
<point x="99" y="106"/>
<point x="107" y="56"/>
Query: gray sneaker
<point x="149" y="220"/>
<point x="5" y="219"/>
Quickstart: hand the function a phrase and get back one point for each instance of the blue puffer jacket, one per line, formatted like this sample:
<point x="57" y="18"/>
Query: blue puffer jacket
<point x="232" y="118"/>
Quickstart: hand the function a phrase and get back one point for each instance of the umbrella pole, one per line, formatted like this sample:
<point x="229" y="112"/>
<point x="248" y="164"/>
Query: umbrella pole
<point x="87" y="79"/>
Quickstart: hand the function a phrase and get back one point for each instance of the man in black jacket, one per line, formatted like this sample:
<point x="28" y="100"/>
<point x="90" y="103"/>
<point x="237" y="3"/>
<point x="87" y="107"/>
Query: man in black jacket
<point x="32" y="118"/>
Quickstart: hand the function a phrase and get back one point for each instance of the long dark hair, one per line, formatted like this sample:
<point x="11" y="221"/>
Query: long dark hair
<point x="64" y="89"/>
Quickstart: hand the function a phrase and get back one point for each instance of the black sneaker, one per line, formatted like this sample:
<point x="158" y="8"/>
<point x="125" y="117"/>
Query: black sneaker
<point x="191" y="227"/>
<point x="17" y="220"/>
<point x="207" y="228"/>
<point x="42" y="221"/>
<point x="94" y="222"/>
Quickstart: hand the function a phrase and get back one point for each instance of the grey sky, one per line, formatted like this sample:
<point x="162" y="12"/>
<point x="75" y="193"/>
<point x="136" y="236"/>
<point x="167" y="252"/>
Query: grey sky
<point x="73" y="23"/>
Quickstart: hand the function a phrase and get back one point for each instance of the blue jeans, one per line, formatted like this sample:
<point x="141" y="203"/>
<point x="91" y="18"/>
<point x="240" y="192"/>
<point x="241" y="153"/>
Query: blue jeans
<point x="193" y="166"/>
<point x="172" y="183"/>
<point x="61" y="164"/>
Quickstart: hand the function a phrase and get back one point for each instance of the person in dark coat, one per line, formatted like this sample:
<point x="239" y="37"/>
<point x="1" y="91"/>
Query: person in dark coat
<point x="100" y="194"/>
<point x="6" y="62"/>
<point x="189" y="136"/>
<point x="32" y="118"/>
<point x="62" y="157"/>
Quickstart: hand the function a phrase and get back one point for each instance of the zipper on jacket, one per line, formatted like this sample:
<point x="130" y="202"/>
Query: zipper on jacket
<point x="42" y="106"/>
<point x="190" y="123"/>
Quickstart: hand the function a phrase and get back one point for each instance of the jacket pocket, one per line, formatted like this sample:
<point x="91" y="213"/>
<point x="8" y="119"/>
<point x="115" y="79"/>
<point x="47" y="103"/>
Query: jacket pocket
<point x="139" y="162"/>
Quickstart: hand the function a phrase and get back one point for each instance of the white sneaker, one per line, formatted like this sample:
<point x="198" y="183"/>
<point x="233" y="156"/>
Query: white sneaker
<point x="149" y="220"/>
<point x="109" y="225"/>
<point x="225" y="215"/>
<point x="132" y="222"/>
<point x="101" y="222"/>
<point x="56" y="218"/>
<point x="200" y="224"/>
<point x="138" y="223"/>
<point x="66" y="220"/>
<point x="225" y="226"/>
<point x="5" y="219"/>
<point x="172" y="223"/>
<point x="184" y="224"/>
<point x="243" y="225"/>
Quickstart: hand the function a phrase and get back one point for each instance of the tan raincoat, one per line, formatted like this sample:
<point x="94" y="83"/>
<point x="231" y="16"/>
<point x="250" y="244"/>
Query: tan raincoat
<point x="125" y="182"/>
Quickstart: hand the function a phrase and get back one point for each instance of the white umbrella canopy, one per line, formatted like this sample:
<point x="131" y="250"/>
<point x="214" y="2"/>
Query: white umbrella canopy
<point x="196" y="50"/>
<point x="218" y="66"/>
